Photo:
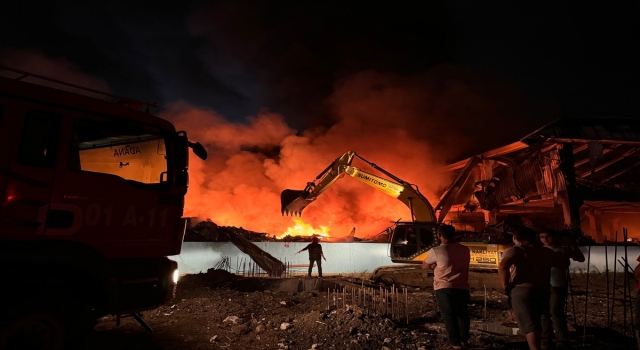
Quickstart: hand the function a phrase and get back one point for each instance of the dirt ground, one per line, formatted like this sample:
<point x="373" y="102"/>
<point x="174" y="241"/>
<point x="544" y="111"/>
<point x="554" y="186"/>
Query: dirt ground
<point x="218" y="310"/>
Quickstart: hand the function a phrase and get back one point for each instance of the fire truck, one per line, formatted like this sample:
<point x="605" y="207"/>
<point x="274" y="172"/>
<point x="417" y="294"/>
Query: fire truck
<point x="91" y="203"/>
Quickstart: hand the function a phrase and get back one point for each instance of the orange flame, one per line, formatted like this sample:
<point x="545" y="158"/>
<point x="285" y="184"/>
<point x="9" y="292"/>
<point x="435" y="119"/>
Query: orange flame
<point x="303" y="229"/>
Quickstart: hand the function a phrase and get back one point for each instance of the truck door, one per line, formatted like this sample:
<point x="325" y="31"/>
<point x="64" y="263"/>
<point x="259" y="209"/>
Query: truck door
<point x="29" y="177"/>
<point x="5" y="151"/>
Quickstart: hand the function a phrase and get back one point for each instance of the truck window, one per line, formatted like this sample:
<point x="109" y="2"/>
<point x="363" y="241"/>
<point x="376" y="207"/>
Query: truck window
<point x="121" y="149"/>
<point x="40" y="139"/>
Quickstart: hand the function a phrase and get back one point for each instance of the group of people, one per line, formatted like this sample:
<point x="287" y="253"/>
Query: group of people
<point x="533" y="275"/>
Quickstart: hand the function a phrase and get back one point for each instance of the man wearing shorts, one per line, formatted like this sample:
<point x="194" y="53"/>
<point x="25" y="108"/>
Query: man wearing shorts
<point x="525" y="272"/>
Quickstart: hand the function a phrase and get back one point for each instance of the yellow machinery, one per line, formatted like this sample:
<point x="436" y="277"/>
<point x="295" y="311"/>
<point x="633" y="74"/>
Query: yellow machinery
<point x="409" y="240"/>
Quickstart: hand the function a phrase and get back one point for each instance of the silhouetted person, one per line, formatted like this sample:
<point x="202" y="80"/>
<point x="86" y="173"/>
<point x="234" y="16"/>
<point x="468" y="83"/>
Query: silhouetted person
<point x="315" y="252"/>
<point x="554" y="320"/>
<point x="450" y="264"/>
<point x="525" y="273"/>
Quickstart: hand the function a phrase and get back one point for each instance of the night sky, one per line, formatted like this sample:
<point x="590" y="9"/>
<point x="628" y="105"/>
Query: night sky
<point x="503" y="70"/>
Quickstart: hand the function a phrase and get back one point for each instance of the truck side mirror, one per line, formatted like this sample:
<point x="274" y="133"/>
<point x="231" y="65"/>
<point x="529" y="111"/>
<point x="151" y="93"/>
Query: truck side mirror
<point x="199" y="150"/>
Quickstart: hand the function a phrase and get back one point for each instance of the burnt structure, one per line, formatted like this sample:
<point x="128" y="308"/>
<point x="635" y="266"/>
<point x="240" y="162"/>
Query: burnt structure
<point x="581" y="174"/>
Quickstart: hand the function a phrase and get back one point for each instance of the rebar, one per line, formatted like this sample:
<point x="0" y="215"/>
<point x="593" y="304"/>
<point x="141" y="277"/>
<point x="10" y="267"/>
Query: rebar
<point x="606" y="269"/>
<point x="392" y="306"/>
<point x="613" y="290"/>
<point x="586" y="298"/>
<point x="485" y="301"/>
<point x="625" y="282"/>
<point x="328" y="299"/>
<point x="406" y="304"/>
<point x="627" y="267"/>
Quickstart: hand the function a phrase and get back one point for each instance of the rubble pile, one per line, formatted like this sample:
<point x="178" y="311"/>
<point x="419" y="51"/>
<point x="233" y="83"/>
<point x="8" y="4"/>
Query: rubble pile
<point x="209" y="231"/>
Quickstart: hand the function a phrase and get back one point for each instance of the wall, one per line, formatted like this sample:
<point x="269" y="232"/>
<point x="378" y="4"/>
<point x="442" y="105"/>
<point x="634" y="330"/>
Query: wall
<point x="341" y="257"/>
<point x="197" y="257"/>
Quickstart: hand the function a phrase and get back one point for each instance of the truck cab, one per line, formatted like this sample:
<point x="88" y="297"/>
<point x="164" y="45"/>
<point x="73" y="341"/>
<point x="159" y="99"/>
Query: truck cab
<point x="91" y="204"/>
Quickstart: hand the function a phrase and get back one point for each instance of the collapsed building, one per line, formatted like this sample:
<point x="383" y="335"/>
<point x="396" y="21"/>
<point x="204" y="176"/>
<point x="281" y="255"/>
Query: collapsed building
<point x="580" y="174"/>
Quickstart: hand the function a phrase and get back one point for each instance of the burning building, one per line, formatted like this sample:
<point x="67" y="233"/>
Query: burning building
<point x="578" y="173"/>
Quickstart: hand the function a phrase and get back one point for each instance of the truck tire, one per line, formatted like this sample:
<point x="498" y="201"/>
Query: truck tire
<point x="58" y="327"/>
<point x="33" y="330"/>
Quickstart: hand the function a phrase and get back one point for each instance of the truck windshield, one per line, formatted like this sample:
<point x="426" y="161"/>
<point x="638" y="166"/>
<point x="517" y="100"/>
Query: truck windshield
<point x="121" y="149"/>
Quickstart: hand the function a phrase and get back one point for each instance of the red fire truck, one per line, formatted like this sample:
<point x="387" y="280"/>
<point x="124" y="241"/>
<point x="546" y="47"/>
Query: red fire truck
<point x="91" y="203"/>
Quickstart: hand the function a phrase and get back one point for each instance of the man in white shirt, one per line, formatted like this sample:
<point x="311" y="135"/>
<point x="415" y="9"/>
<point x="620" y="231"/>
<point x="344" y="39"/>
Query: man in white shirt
<point x="450" y="264"/>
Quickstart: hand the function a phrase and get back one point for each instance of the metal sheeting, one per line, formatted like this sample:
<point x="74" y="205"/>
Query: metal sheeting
<point x="538" y="175"/>
<point x="618" y="129"/>
<point x="348" y="257"/>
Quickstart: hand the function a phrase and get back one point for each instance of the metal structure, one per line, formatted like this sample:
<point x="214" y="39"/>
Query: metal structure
<point x="566" y="172"/>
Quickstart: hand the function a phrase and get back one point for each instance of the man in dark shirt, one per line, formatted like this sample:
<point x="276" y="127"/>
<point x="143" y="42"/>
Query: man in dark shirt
<point x="315" y="252"/>
<point x="554" y="320"/>
<point x="525" y="273"/>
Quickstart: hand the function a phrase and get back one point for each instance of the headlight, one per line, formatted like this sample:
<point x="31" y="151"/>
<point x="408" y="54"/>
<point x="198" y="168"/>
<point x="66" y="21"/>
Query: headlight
<point x="176" y="276"/>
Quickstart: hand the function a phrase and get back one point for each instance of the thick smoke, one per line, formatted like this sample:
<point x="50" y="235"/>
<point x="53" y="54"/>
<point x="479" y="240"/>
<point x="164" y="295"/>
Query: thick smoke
<point x="252" y="163"/>
<point x="35" y="62"/>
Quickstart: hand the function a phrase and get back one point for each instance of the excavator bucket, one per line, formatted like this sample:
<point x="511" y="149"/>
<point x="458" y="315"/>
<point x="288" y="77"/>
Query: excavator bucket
<point x="293" y="202"/>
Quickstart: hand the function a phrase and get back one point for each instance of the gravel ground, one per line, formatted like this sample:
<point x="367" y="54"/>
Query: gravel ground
<point x="222" y="311"/>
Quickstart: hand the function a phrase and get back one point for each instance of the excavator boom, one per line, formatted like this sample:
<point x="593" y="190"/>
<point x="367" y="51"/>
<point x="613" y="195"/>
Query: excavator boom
<point x="293" y="202"/>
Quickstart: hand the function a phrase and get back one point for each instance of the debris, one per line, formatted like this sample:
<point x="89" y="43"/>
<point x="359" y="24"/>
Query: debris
<point x="283" y="303"/>
<point x="497" y="328"/>
<point x="387" y="340"/>
<point x="232" y="319"/>
<point x="266" y="261"/>
<point x="284" y="326"/>
<point x="260" y="328"/>
<point x="213" y="339"/>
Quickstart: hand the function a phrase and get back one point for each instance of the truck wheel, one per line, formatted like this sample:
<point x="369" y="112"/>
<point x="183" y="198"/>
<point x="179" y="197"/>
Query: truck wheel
<point x="33" y="330"/>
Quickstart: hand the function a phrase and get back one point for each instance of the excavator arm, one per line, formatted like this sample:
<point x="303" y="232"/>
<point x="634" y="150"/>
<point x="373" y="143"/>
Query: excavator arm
<point x="293" y="201"/>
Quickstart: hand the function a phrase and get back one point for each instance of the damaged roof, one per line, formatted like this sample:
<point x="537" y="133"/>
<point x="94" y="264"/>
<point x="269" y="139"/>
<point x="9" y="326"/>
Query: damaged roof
<point x="605" y="153"/>
<point x="608" y="130"/>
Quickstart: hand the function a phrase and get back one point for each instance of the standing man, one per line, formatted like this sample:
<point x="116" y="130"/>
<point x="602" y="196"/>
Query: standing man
<point x="525" y="272"/>
<point x="315" y="252"/>
<point x="555" y="319"/>
<point x="450" y="264"/>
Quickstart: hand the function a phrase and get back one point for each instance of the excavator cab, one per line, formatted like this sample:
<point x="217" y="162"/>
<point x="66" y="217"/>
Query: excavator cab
<point x="411" y="240"/>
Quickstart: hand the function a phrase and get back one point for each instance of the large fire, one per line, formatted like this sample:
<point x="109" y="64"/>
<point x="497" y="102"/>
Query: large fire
<point x="251" y="163"/>
<point x="303" y="229"/>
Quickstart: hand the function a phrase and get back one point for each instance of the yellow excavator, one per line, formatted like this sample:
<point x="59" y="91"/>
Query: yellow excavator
<point x="409" y="240"/>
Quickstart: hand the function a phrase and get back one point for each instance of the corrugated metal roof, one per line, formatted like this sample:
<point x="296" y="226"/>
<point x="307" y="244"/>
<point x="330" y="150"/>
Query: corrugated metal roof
<point x="592" y="129"/>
